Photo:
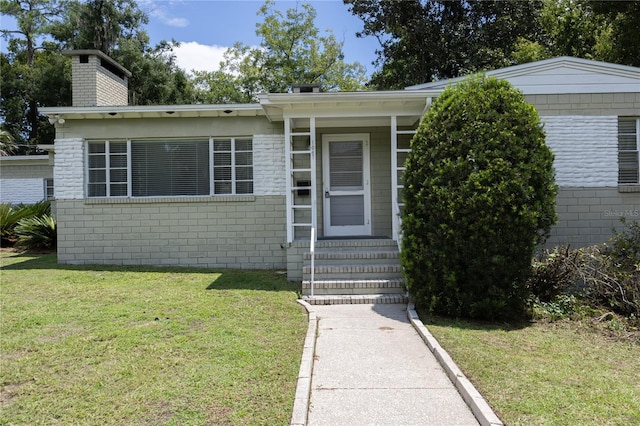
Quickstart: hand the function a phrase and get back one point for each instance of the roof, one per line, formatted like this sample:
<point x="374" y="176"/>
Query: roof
<point x="559" y="75"/>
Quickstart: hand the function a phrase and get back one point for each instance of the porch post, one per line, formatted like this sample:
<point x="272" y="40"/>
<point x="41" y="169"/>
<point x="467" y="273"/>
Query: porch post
<point x="288" y="178"/>
<point x="314" y="192"/>
<point x="394" y="177"/>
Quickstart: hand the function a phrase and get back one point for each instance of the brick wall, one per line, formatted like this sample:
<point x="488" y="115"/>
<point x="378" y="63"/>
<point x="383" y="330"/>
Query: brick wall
<point x="587" y="215"/>
<point x="23" y="182"/>
<point x="68" y="173"/>
<point x="587" y="104"/>
<point x="268" y="165"/>
<point x="227" y="232"/>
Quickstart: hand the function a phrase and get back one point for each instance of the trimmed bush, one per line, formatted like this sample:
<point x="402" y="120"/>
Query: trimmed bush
<point x="479" y="197"/>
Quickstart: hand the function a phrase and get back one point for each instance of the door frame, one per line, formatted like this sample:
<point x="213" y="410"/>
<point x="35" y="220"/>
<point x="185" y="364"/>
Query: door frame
<point x="355" y="230"/>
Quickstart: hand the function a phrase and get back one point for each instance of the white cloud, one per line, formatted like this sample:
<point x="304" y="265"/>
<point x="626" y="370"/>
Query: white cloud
<point x="160" y="11"/>
<point x="192" y="55"/>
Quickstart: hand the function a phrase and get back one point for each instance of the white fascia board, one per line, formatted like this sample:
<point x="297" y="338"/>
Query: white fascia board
<point x="154" y="111"/>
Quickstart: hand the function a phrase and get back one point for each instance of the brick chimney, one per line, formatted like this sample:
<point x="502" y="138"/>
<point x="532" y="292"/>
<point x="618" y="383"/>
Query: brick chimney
<point x="97" y="80"/>
<point x="306" y="88"/>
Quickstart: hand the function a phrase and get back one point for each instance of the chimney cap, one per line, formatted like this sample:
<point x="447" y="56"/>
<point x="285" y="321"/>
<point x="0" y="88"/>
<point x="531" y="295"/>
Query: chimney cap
<point x="100" y="54"/>
<point x="306" y="88"/>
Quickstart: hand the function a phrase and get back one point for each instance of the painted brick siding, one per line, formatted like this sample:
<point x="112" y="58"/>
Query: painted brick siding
<point x="247" y="233"/>
<point x="585" y="148"/>
<point x="68" y="173"/>
<point x="17" y="191"/>
<point x="22" y="179"/>
<point x="268" y="165"/>
<point x="587" y="215"/>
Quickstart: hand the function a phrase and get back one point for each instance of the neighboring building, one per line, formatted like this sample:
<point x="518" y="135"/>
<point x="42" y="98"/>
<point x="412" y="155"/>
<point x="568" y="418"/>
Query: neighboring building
<point x="242" y="186"/>
<point x="26" y="179"/>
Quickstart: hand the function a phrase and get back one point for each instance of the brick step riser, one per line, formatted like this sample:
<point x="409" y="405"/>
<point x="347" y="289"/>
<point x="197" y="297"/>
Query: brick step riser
<point x="354" y="287"/>
<point x="325" y="263"/>
<point x="353" y="255"/>
<point x="353" y="291"/>
<point x="337" y="247"/>
<point x="353" y="276"/>
<point x="357" y="299"/>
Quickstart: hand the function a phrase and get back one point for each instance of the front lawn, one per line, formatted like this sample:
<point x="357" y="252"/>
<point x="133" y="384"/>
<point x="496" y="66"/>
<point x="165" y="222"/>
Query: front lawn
<point x="563" y="373"/>
<point x="121" y="345"/>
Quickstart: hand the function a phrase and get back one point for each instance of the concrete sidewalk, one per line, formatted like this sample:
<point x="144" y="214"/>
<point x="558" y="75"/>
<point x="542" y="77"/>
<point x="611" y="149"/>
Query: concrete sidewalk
<point x="371" y="367"/>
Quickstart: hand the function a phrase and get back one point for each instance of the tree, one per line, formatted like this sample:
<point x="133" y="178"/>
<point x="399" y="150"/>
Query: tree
<point x="115" y="27"/>
<point x="35" y="73"/>
<point x="291" y="51"/>
<point x="21" y="67"/>
<point x="479" y="197"/>
<point x="621" y="44"/>
<point x="425" y="40"/>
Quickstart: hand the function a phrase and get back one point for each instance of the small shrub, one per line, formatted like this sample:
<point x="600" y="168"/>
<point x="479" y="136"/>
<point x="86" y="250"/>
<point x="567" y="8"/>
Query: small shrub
<point x="554" y="273"/>
<point x="561" y="307"/>
<point x="609" y="280"/>
<point x="38" y="209"/>
<point x="37" y="232"/>
<point x="10" y="216"/>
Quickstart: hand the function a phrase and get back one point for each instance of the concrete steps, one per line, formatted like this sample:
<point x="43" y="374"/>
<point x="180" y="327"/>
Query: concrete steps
<point x="354" y="271"/>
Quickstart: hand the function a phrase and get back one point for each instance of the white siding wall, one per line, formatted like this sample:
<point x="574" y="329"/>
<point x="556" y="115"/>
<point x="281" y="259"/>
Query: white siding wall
<point x="585" y="148"/>
<point x="268" y="165"/>
<point x="68" y="172"/>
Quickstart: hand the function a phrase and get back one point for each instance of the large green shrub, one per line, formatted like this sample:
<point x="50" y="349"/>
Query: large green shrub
<point x="479" y="197"/>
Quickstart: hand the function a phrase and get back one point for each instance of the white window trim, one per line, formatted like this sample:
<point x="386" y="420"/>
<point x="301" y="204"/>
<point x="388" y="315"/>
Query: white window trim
<point x="635" y="186"/>
<point x="129" y="195"/>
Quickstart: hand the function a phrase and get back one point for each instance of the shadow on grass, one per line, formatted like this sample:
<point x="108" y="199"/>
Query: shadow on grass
<point x="470" y="324"/>
<point x="227" y="279"/>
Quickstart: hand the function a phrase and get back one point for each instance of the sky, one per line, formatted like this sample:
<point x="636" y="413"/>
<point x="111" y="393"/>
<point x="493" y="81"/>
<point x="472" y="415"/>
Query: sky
<point x="206" y="28"/>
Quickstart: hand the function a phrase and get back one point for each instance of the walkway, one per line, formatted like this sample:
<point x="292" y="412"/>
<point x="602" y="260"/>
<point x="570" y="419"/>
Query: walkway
<point x="371" y="367"/>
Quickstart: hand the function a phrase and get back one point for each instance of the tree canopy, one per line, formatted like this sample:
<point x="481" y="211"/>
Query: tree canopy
<point x="427" y="40"/>
<point x="291" y="51"/>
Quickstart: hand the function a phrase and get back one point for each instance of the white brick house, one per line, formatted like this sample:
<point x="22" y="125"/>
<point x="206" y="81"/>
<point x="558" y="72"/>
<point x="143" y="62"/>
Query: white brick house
<point x="243" y="186"/>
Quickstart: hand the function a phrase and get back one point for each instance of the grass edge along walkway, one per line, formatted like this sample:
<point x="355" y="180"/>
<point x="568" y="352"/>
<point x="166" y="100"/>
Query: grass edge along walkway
<point x="562" y="373"/>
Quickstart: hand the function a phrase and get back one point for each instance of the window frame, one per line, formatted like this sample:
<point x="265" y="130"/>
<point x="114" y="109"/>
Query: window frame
<point x="130" y="174"/>
<point x="636" y="151"/>
<point x="48" y="189"/>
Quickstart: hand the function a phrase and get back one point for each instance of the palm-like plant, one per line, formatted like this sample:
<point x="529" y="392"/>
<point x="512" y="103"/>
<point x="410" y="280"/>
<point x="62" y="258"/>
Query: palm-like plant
<point x="7" y="143"/>
<point x="37" y="232"/>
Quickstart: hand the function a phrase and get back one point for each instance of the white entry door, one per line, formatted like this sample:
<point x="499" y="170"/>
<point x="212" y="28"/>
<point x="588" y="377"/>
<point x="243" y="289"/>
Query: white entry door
<point x="345" y="175"/>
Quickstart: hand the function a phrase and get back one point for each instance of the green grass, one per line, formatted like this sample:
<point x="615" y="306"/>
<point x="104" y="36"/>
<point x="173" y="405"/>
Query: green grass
<point x="562" y="373"/>
<point x="147" y="346"/>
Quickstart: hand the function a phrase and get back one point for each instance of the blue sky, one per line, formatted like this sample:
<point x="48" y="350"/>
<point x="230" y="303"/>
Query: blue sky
<point x="207" y="27"/>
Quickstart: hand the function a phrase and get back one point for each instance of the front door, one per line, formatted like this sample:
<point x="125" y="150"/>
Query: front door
<point x="345" y="174"/>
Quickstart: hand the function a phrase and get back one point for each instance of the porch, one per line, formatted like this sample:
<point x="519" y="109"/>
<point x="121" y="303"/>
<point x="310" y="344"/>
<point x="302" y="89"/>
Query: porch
<point x="344" y="160"/>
